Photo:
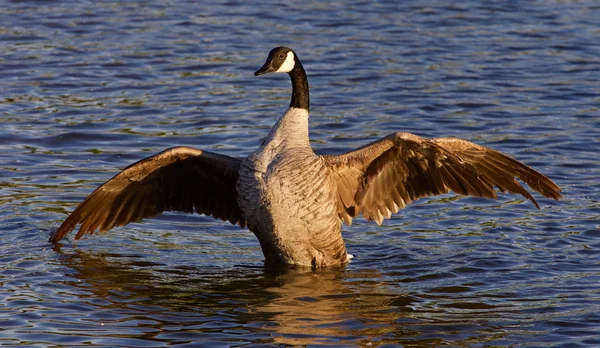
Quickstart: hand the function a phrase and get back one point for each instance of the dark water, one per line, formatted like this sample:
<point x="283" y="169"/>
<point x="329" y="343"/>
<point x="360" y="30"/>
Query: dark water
<point x="87" y="88"/>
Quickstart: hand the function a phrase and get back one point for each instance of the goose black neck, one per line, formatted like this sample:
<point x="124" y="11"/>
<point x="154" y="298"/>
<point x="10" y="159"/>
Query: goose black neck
<point x="300" y="95"/>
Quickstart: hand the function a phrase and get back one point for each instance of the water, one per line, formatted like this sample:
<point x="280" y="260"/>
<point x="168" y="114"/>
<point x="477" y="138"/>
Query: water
<point x="87" y="88"/>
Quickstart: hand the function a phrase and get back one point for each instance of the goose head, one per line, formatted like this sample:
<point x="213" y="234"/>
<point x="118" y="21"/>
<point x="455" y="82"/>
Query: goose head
<point x="280" y="59"/>
<point x="283" y="59"/>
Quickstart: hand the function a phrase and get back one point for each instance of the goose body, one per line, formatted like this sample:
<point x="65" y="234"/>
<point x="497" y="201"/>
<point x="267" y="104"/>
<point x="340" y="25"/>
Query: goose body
<point x="293" y="200"/>
<point x="287" y="196"/>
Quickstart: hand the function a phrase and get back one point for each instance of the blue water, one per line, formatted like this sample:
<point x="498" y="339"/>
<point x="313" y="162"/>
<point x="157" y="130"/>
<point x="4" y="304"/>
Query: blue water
<point x="87" y="88"/>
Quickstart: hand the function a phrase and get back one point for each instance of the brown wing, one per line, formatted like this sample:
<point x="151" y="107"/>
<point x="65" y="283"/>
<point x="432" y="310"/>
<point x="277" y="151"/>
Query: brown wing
<point x="384" y="176"/>
<point x="177" y="179"/>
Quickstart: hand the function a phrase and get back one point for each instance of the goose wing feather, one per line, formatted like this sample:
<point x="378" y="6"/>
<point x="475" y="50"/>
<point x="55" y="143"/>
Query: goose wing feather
<point x="177" y="179"/>
<point x="380" y="178"/>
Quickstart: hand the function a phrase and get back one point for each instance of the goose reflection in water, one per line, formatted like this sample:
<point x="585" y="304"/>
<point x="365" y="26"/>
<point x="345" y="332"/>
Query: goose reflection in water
<point x="262" y="305"/>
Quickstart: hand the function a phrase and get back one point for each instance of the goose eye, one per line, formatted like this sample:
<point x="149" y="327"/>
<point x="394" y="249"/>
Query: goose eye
<point x="281" y="55"/>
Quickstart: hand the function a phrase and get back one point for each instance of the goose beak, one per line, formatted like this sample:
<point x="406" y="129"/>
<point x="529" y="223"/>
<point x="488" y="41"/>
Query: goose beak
<point x="267" y="68"/>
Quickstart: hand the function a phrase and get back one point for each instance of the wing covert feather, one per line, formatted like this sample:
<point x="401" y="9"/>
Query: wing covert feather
<point x="382" y="177"/>
<point x="177" y="179"/>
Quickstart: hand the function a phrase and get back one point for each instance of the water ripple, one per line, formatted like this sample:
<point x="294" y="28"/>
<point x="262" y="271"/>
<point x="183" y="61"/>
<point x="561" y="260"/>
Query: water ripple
<point x="88" y="88"/>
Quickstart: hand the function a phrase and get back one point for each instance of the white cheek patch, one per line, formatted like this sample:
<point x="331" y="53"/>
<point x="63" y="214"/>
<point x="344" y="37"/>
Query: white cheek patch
<point x="288" y="64"/>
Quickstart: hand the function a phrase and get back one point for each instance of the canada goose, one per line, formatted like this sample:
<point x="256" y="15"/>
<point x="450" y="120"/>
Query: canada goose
<point x="292" y="199"/>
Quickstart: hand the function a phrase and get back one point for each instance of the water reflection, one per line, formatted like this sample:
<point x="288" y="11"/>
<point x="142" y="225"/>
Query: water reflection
<point x="182" y="304"/>
<point x="297" y="307"/>
<point x="322" y="306"/>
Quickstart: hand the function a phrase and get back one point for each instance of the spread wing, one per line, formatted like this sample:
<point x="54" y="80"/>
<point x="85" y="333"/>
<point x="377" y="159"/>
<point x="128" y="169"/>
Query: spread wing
<point x="177" y="179"/>
<point x="386" y="175"/>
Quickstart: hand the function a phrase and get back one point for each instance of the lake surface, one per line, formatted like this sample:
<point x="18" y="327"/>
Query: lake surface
<point x="87" y="88"/>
